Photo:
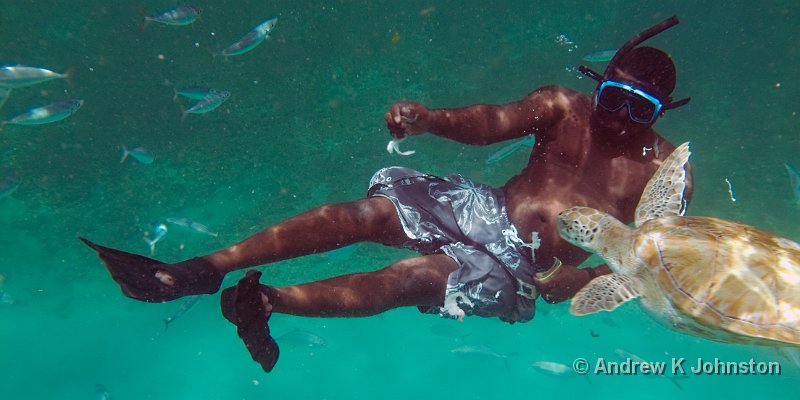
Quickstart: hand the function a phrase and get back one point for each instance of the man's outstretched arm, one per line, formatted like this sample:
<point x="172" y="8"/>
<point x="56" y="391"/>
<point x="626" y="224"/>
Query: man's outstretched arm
<point x="481" y="124"/>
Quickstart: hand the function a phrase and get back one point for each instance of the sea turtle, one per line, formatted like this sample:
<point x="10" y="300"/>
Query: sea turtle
<point x="705" y="276"/>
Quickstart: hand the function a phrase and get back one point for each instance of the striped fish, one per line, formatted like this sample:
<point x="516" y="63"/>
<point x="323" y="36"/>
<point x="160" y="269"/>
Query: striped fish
<point x="193" y="93"/>
<point x="178" y="16"/>
<point x="600" y="56"/>
<point x="193" y="226"/>
<point x="4" y="95"/>
<point x="17" y="76"/>
<point x="250" y="40"/>
<point x="183" y="309"/>
<point x="794" y="181"/>
<point x="46" y="114"/>
<point x="8" y="185"/>
<point x="209" y="102"/>
<point x="507" y="150"/>
<point x="139" y="154"/>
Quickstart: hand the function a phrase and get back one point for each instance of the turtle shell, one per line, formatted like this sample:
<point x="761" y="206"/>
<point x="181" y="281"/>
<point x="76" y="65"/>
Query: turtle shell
<point x="735" y="282"/>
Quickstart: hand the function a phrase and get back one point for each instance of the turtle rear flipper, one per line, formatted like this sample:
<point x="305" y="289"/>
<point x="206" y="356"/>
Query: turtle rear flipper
<point x="605" y="293"/>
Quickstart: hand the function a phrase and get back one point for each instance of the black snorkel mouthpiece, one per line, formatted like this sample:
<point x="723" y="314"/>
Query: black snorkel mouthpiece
<point x="630" y="45"/>
<point x="590" y="73"/>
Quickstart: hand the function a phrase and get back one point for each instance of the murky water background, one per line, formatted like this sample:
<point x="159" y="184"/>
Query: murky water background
<point x="304" y="127"/>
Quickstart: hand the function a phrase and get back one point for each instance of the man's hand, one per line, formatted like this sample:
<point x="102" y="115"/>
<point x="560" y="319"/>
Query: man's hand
<point x="407" y="118"/>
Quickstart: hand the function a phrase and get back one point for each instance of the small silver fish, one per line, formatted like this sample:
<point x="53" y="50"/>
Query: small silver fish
<point x="178" y="16"/>
<point x="794" y="181"/>
<point x="600" y="56"/>
<point x="6" y="299"/>
<point x="17" y="76"/>
<point x="5" y="93"/>
<point x="159" y="231"/>
<point x="101" y="393"/>
<point x="8" y="185"/>
<point x="342" y="253"/>
<point x="625" y="355"/>
<point x="139" y="154"/>
<point x="557" y="369"/>
<point x="300" y="338"/>
<point x="183" y="309"/>
<point x="552" y="368"/>
<point x="480" y="353"/>
<point x="193" y="93"/>
<point x="506" y="151"/>
<point x="192" y="226"/>
<point x="250" y="40"/>
<point x="209" y="102"/>
<point x="46" y="114"/>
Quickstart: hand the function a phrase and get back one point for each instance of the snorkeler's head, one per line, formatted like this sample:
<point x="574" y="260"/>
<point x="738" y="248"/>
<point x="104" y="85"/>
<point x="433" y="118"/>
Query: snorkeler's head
<point x="639" y="78"/>
<point x="646" y="68"/>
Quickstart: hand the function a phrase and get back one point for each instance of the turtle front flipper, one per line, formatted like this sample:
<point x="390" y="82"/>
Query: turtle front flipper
<point x="605" y="293"/>
<point x="663" y="195"/>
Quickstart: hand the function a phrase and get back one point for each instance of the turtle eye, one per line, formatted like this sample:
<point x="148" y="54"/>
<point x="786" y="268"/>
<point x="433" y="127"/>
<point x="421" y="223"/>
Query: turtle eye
<point x="579" y="233"/>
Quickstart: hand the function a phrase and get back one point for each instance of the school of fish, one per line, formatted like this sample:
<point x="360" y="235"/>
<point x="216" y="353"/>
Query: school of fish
<point x="20" y="77"/>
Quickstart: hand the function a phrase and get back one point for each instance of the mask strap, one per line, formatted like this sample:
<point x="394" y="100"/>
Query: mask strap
<point x="676" y="104"/>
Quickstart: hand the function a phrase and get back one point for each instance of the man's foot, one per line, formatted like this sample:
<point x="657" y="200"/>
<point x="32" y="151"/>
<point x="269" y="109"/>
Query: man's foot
<point x="145" y="279"/>
<point x="247" y="306"/>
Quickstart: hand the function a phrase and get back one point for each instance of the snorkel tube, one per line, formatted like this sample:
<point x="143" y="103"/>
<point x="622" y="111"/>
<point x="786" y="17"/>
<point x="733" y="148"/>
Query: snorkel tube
<point x="630" y="45"/>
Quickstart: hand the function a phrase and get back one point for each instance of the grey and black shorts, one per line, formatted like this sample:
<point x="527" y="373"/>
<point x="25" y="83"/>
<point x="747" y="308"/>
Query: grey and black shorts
<point x="468" y="222"/>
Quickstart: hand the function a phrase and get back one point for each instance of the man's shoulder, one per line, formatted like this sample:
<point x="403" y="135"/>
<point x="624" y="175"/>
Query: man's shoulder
<point x="556" y="92"/>
<point x="557" y="89"/>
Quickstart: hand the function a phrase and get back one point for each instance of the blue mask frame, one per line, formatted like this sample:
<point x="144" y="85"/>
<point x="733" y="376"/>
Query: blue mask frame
<point x="631" y="95"/>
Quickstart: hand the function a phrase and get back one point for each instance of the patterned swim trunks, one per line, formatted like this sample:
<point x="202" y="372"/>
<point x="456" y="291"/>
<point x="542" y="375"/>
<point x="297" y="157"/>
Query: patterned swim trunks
<point x="468" y="222"/>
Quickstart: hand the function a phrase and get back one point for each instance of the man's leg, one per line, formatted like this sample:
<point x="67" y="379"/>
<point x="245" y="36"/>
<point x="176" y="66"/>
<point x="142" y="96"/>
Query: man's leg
<point x="419" y="281"/>
<point x="321" y="229"/>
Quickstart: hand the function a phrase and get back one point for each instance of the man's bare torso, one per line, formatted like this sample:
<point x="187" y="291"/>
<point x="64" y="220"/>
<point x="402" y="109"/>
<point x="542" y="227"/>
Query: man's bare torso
<point x="566" y="169"/>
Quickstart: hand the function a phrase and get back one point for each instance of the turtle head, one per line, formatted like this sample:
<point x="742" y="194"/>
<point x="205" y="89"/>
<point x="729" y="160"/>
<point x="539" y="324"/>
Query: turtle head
<point x="595" y="231"/>
<point x="580" y="226"/>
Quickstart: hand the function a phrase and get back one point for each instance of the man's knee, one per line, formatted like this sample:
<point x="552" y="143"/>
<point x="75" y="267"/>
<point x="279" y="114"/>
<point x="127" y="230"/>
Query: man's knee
<point x="377" y="219"/>
<point x="375" y="211"/>
<point x="422" y="277"/>
<point x="363" y="213"/>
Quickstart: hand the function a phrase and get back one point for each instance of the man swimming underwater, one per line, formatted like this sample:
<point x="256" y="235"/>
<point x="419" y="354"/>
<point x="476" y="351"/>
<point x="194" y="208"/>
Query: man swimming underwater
<point x="477" y="242"/>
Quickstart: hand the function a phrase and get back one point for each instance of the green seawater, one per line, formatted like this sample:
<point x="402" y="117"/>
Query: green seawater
<point x="304" y="127"/>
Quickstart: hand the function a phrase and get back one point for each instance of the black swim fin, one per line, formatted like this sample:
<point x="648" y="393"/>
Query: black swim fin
<point x="244" y="306"/>
<point x="153" y="281"/>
